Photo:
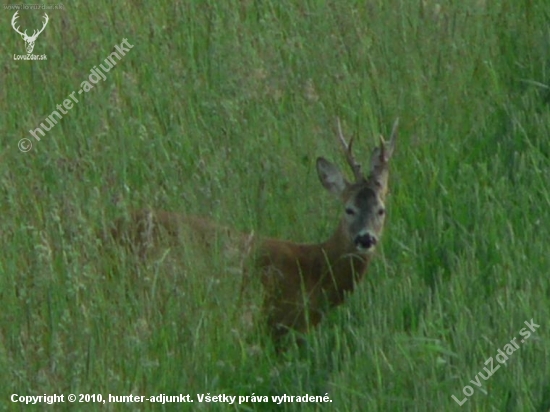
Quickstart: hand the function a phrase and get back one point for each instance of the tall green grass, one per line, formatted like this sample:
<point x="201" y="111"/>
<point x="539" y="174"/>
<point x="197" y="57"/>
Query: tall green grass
<point x="220" y="109"/>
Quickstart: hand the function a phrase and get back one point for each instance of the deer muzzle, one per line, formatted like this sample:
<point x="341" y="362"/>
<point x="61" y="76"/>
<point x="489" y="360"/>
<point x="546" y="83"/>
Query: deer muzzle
<point x="365" y="241"/>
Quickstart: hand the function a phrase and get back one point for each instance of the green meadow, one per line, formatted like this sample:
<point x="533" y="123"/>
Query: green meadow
<point x="220" y="109"/>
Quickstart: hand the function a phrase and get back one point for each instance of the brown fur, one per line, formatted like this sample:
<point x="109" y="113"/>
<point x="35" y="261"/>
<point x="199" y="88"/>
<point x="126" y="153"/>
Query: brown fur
<point x="300" y="281"/>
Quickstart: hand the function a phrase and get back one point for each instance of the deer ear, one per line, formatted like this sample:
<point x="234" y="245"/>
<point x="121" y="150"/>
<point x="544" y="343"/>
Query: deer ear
<point x="331" y="177"/>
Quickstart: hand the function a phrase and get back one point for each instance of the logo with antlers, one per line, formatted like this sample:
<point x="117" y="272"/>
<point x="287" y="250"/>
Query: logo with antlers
<point x="29" y="40"/>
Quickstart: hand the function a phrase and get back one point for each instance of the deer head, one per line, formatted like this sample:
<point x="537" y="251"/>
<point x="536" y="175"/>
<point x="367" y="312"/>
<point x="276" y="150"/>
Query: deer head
<point x="363" y="199"/>
<point x="29" y="40"/>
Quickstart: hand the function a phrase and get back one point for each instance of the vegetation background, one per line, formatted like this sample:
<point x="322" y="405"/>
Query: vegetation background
<point x="220" y="109"/>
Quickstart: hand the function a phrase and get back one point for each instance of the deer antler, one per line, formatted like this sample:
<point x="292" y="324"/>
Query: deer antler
<point x="15" y="16"/>
<point x="43" y="26"/>
<point x="356" y="167"/>
<point x="25" y="35"/>
<point x="386" y="150"/>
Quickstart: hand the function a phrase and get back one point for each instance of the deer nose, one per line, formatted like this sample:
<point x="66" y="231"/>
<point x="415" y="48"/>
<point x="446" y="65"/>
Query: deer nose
<point x="365" y="241"/>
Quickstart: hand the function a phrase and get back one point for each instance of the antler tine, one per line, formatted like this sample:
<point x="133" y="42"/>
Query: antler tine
<point x="393" y="137"/>
<point x="46" y="20"/>
<point x="394" y="132"/>
<point x="387" y="148"/>
<point x="356" y="167"/>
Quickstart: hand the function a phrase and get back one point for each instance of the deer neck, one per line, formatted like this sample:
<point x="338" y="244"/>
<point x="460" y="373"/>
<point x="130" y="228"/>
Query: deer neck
<point x="342" y="265"/>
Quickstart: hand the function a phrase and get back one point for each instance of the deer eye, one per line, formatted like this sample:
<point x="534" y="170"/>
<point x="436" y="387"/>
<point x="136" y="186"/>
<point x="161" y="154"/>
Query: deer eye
<point x="381" y="212"/>
<point x="350" y="211"/>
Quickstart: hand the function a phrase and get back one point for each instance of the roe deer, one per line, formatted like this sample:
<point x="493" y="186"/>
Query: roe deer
<point x="300" y="281"/>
